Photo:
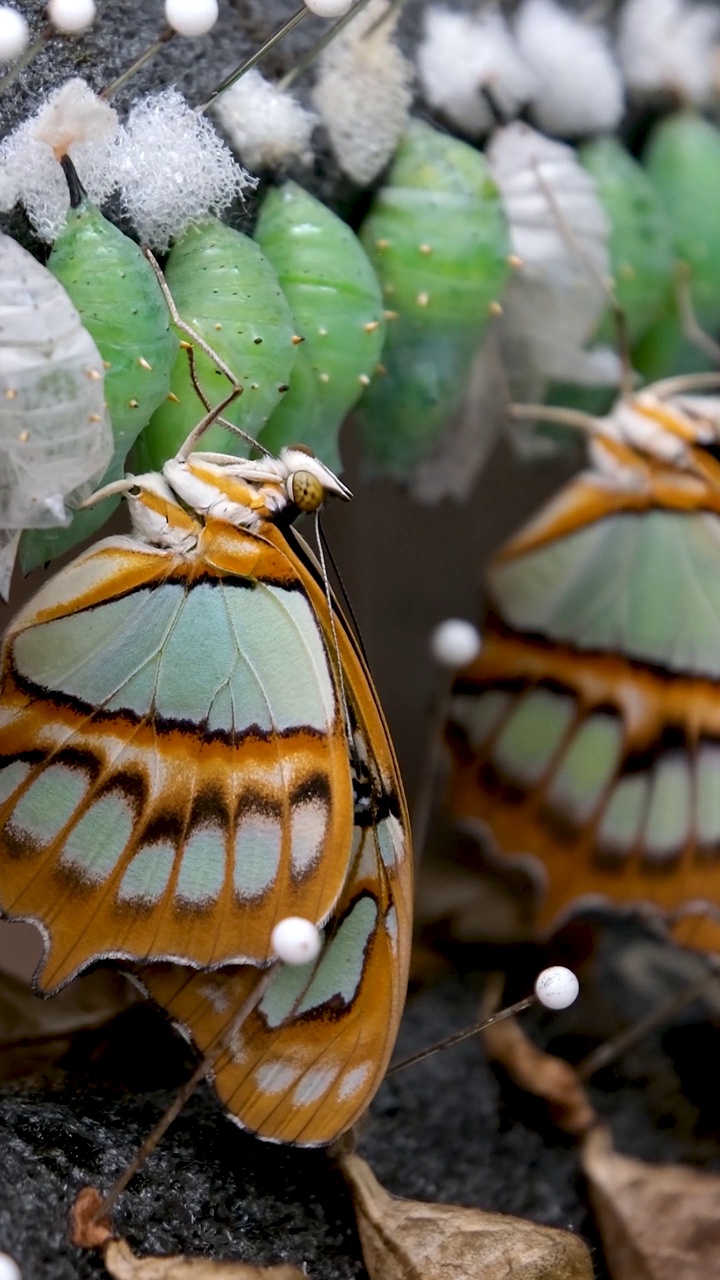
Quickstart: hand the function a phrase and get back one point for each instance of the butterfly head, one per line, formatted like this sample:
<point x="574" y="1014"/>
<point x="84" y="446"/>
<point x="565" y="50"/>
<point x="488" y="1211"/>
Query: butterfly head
<point x="307" y="480"/>
<point x="244" y="492"/>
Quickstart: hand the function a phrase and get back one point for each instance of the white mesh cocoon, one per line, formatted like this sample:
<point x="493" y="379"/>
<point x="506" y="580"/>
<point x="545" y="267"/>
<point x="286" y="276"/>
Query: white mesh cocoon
<point x="73" y="121"/>
<point x="670" y="46"/>
<point x="55" y="436"/>
<point x="268" y="127"/>
<point x="175" y="169"/>
<point x="461" y="56"/>
<point x="363" y="93"/>
<point x="560" y="231"/>
<point x="579" y="86"/>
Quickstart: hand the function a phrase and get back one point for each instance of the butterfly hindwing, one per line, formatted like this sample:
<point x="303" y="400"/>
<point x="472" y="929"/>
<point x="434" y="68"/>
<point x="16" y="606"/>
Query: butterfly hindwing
<point x="175" y="775"/>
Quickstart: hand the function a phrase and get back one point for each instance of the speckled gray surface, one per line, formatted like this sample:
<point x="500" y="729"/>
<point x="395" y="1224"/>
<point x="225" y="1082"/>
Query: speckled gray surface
<point x="445" y="1130"/>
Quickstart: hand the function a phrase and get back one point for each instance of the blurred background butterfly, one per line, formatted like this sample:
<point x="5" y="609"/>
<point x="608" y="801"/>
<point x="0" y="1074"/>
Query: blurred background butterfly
<point x="586" y="733"/>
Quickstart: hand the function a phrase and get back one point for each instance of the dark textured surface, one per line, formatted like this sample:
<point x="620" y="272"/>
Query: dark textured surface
<point x="445" y="1130"/>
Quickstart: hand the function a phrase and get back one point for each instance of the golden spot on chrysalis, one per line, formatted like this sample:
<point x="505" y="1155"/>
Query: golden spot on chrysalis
<point x="172" y="397"/>
<point x="94" y="375"/>
<point x="371" y="326"/>
<point x="144" y="364"/>
<point x="495" y="308"/>
<point x="132" y="404"/>
<point x="425" y="249"/>
<point x="11" y="394"/>
<point x="515" y="261"/>
<point x="391" y="315"/>
<point x="296" y="339"/>
<point x="363" y="379"/>
<point x="324" y="377"/>
<point x="423" y="299"/>
<point x="382" y="245"/>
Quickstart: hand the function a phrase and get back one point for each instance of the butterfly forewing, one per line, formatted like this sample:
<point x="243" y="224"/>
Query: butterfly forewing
<point x="174" y="775"/>
<point x="587" y="734"/>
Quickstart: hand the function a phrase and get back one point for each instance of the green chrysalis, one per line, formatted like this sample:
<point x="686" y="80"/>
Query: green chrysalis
<point x="683" y="161"/>
<point x="437" y="237"/>
<point x="337" y="303"/>
<point x="225" y="288"/>
<point x="641" y="246"/>
<point x="121" y="305"/>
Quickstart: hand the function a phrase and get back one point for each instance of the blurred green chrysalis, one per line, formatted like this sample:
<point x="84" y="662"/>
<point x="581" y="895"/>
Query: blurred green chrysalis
<point x="641" y="246"/>
<point x="437" y="237"/>
<point x="337" y="304"/>
<point x="121" y="305"/>
<point x="683" y="161"/>
<point x="225" y="288"/>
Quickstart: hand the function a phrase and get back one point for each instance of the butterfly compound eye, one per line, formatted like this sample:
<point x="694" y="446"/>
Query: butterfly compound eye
<point x="306" y="491"/>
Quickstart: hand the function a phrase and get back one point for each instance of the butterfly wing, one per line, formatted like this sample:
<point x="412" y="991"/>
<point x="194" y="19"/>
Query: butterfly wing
<point x="309" y="1058"/>
<point x="174" y="774"/>
<point x="587" y="734"/>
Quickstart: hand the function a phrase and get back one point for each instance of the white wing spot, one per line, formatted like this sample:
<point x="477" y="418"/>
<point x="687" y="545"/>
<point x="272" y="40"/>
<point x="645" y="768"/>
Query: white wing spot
<point x="275" y="1077"/>
<point x="353" y="1081"/>
<point x="314" y="1084"/>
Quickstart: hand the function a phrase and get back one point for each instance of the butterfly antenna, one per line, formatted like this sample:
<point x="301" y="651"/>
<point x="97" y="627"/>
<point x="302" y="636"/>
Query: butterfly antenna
<point x="555" y="988"/>
<point x="333" y="628"/>
<point x="343" y="592"/>
<point x="183" y="1095"/>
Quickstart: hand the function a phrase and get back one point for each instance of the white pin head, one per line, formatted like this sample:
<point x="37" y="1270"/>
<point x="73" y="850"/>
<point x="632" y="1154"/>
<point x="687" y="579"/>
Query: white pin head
<point x="191" y="17"/>
<point x="71" y="16"/>
<point x="9" y="1269"/>
<point x="557" y="987"/>
<point x="328" y="8"/>
<point x="14" y="34"/>
<point x="296" y="940"/>
<point x="455" y="643"/>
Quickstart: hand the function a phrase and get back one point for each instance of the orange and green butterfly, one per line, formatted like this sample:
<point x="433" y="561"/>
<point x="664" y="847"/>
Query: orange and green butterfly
<point x="587" y="732"/>
<point x="191" y="749"/>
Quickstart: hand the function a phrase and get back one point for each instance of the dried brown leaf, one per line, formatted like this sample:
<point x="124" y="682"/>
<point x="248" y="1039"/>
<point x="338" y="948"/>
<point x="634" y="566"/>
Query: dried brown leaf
<point x="87" y="1231"/>
<point x="123" y="1264"/>
<point x="549" y="1078"/>
<point x="657" y="1222"/>
<point x="410" y="1240"/>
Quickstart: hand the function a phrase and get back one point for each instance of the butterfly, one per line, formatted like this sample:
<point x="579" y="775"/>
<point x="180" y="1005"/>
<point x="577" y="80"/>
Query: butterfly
<point x="587" y="733"/>
<point x="191" y="749"/>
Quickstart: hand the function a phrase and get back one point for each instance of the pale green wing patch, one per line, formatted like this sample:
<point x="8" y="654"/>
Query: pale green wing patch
<point x="643" y="585"/>
<point x="234" y="657"/>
